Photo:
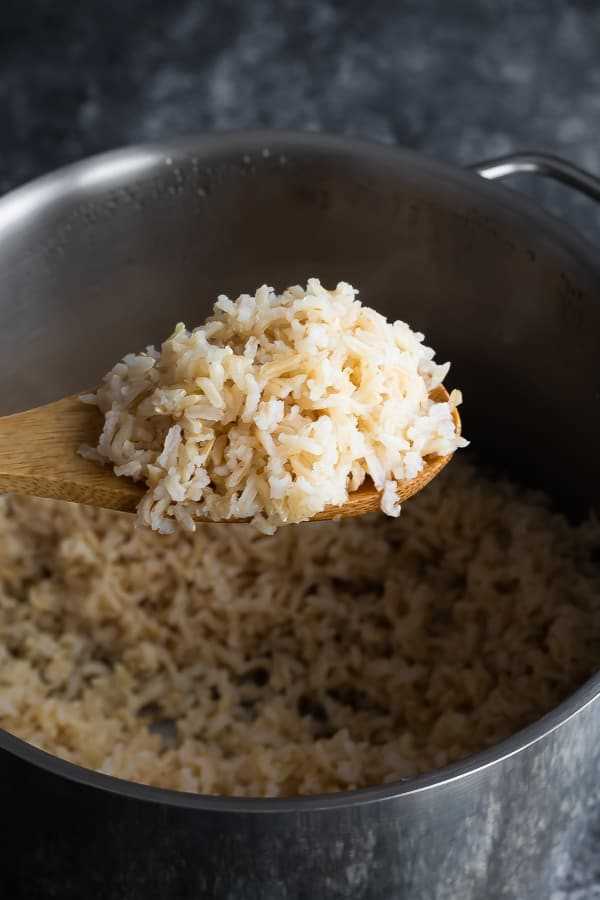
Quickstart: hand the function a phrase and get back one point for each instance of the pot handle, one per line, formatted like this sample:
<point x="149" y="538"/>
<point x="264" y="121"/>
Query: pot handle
<point x="540" y="164"/>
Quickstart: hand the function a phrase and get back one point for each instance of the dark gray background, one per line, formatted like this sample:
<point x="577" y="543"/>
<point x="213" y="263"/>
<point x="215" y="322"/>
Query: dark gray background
<point x="460" y="81"/>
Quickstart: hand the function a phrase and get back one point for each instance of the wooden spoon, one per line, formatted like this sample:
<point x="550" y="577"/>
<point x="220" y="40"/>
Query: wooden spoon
<point x="38" y="456"/>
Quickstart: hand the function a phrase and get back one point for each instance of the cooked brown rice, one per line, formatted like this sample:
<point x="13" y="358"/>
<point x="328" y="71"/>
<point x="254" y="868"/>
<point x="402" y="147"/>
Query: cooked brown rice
<point x="274" y="409"/>
<point x="324" y="658"/>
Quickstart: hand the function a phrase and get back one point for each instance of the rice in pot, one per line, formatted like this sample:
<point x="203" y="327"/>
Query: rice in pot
<point x="328" y="657"/>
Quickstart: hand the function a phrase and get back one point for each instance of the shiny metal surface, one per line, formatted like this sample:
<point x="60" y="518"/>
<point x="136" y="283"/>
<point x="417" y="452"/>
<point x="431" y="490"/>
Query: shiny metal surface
<point x="103" y="257"/>
<point x="540" y="164"/>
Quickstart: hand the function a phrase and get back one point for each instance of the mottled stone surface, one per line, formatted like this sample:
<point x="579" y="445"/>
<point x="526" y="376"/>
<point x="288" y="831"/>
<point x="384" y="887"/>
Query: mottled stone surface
<point x="461" y="81"/>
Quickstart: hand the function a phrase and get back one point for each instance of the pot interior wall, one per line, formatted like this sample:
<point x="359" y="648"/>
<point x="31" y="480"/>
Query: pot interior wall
<point x="107" y="256"/>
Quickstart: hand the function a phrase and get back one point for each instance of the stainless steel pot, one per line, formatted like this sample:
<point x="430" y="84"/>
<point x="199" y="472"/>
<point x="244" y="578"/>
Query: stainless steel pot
<point x="102" y="257"/>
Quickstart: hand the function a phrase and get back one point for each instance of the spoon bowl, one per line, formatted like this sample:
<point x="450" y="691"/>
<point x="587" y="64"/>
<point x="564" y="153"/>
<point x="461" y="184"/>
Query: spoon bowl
<point x="38" y="456"/>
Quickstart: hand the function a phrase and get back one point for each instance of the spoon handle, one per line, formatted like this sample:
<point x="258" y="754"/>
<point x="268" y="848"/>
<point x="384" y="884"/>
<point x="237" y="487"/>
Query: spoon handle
<point x="38" y="456"/>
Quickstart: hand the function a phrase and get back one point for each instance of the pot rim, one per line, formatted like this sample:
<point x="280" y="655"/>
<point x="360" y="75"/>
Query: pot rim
<point x="121" y="165"/>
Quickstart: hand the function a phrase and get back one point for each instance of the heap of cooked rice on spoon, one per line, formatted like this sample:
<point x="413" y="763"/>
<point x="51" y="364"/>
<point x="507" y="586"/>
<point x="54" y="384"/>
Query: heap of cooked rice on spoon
<point x="274" y="409"/>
